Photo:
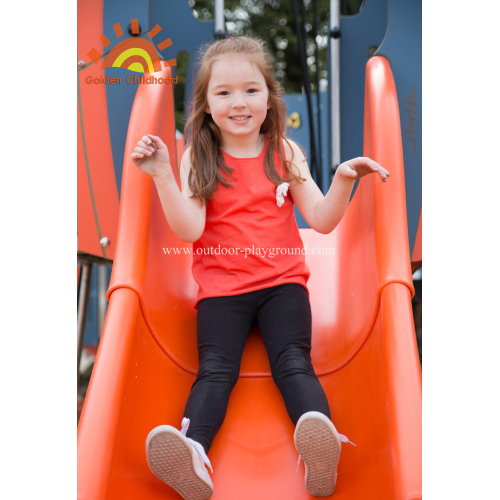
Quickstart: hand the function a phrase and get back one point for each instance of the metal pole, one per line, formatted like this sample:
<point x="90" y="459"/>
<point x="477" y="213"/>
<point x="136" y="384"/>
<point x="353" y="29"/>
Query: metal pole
<point x="220" y="28"/>
<point x="334" y="82"/>
<point x="83" y="304"/>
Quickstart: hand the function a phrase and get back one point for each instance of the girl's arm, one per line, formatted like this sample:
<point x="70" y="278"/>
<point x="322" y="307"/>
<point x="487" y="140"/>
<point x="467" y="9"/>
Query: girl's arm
<point x="323" y="213"/>
<point x="185" y="215"/>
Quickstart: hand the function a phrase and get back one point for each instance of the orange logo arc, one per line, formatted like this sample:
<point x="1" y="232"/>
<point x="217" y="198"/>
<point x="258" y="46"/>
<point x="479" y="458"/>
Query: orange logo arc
<point x="135" y="54"/>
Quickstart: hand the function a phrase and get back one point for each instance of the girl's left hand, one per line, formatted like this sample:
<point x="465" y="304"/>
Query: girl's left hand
<point x="359" y="167"/>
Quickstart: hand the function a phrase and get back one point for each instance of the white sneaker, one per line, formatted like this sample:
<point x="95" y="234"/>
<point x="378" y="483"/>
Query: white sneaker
<point x="179" y="461"/>
<point x="319" y="445"/>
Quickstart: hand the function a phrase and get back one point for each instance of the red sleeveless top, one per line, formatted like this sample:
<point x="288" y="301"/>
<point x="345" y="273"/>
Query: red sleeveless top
<point x="249" y="242"/>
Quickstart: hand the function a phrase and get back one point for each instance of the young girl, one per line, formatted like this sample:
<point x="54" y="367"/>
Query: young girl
<point x="240" y="177"/>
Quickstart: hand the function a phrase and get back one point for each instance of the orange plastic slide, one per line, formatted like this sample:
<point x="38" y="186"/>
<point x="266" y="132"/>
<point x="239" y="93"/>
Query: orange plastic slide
<point x="364" y="348"/>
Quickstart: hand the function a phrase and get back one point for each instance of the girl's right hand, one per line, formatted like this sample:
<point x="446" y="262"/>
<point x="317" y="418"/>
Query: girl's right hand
<point x="151" y="156"/>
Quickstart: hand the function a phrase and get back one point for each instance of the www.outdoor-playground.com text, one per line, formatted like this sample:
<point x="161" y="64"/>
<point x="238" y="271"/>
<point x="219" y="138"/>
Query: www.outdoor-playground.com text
<point x="264" y="252"/>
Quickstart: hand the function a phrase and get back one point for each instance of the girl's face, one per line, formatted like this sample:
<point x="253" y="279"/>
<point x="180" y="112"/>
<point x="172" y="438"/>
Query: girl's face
<point x="238" y="98"/>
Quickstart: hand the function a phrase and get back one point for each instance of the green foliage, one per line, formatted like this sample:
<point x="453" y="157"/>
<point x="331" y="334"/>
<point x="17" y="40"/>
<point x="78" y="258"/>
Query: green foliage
<point x="273" y="22"/>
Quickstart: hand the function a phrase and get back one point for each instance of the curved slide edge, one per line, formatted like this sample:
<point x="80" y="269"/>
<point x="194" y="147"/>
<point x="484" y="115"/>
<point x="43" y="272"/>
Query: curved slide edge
<point x="99" y="420"/>
<point x="383" y="142"/>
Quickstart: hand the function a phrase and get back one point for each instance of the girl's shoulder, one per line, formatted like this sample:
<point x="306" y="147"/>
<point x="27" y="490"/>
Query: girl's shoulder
<point x="292" y="149"/>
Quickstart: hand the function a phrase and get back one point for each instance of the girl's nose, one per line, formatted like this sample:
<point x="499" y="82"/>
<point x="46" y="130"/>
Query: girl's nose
<point x="239" y="101"/>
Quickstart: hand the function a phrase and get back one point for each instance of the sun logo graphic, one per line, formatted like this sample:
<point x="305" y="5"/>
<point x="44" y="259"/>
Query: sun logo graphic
<point x="135" y="54"/>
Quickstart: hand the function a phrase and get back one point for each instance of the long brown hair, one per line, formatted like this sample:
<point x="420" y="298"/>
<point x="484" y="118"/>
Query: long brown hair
<point x="203" y="136"/>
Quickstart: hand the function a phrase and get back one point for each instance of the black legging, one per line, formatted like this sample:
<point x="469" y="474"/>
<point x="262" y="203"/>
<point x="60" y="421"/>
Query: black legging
<point x="283" y="314"/>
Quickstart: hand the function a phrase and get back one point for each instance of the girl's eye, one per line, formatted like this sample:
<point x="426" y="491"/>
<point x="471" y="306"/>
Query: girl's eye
<point x="224" y="92"/>
<point x="251" y="91"/>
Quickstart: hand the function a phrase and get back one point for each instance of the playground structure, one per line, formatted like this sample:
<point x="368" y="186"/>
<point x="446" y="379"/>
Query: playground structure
<point x="364" y="347"/>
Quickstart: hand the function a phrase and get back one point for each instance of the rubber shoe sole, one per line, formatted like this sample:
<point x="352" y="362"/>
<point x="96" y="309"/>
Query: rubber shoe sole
<point x="172" y="459"/>
<point x="319" y="445"/>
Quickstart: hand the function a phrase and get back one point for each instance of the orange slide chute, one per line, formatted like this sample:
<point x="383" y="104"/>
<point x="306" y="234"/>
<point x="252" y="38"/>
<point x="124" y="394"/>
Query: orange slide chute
<point x="364" y="348"/>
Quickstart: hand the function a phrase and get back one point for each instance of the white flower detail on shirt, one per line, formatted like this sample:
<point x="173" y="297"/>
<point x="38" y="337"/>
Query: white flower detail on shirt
<point x="281" y="192"/>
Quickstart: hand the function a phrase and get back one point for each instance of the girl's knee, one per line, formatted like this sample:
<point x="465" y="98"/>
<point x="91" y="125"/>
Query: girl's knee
<point x="294" y="361"/>
<point x="215" y="370"/>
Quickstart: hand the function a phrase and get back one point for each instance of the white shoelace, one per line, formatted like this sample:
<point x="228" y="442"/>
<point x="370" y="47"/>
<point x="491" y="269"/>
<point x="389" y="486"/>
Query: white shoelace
<point x="197" y="446"/>
<point x="343" y="438"/>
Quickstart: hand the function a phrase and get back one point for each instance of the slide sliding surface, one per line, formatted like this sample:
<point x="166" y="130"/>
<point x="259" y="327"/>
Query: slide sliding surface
<point x="364" y="348"/>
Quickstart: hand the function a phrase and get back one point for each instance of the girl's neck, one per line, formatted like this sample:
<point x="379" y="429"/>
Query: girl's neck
<point x="244" y="147"/>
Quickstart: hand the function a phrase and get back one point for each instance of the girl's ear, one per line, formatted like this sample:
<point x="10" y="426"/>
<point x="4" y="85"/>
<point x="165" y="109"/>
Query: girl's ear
<point x="207" y="110"/>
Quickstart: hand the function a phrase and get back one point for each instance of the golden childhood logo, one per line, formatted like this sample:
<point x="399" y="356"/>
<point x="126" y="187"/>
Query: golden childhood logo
<point x="135" y="54"/>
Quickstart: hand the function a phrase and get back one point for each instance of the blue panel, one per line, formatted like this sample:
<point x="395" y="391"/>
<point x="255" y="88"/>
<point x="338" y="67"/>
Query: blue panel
<point x="358" y="34"/>
<point x="122" y="11"/>
<point x="403" y="47"/>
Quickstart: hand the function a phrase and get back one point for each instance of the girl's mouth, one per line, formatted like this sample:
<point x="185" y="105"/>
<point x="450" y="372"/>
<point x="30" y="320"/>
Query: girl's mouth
<point x="239" y="118"/>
